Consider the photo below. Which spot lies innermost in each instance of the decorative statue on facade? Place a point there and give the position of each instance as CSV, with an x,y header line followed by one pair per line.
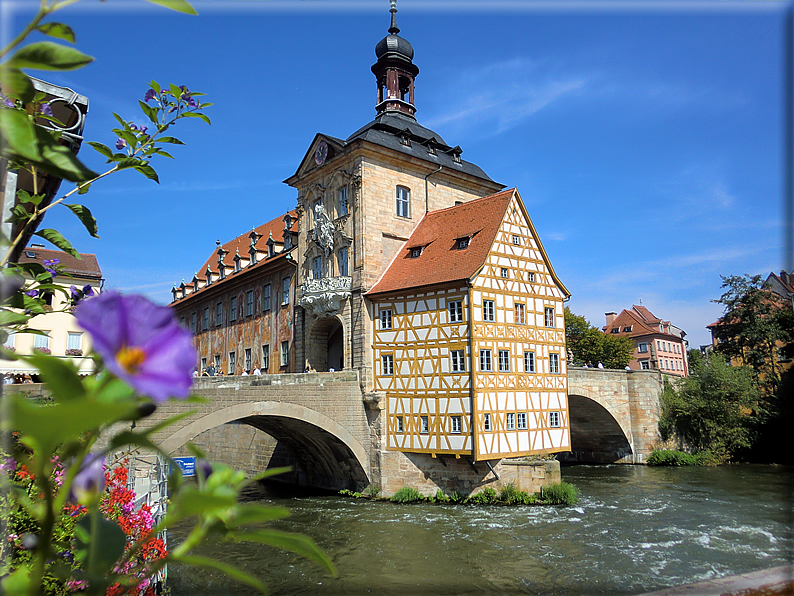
x,y
323,230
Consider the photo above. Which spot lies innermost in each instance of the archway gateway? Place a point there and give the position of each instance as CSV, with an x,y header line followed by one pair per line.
x,y
325,349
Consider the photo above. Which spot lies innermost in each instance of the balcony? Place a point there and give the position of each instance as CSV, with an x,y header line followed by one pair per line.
x,y
325,296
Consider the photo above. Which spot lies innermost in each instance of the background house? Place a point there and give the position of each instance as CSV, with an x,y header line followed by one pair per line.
x,y
658,344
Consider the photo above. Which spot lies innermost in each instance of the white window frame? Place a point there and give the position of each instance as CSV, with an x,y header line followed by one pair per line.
x,y
455,425
504,360
529,362
457,360
488,311
486,362
387,365
510,421
284,354
341,201
74,340
232,363
486,422
642,347
520,313
516,239
342,260
548,316
248,360
554,420
265,357
455,309
266,296
504,273
399,424
285,283
554,363
645,365
403,202
521,420
217,359
385,318
531,276
317,268
249,303
424,425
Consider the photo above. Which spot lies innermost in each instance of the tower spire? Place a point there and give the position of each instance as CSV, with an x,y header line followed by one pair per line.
x,y
394,29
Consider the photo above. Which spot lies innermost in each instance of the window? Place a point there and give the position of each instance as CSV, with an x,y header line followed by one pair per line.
x,y
516,240
485,361
403,202
341,201
529,362
642,347
458,358
74,340
554,419
645,365
425,425
248,360
455,311
284,353
317,268
217,358
385,319
616,330
486,422
203,363
554,364
219,314
549,316
521,317
266,357
266,291
504,360
387,365
531,276
487,310
416,252
232,363
627,329
661,345
505,273
285,291
521,418
342,261
193,323
463,243
249,303
510,421
9,342
455,423
233,309
205,320
399,424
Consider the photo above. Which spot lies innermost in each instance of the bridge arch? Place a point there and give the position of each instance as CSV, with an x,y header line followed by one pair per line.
x,y
599,433
328,453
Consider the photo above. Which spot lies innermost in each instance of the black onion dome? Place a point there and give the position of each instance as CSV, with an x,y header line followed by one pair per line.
x,y
394,44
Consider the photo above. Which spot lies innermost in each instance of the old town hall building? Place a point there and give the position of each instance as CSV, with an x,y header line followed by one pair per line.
x,y
410,265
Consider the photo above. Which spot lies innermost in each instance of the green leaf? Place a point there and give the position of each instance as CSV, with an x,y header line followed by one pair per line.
x,y
19,582
114,390
232,572
163,153
177,5
84,215
105,545
60,375
8,318
253,513
120,120
16,82
84,188
47,55
58,30
123,162
172,140
56,159
190,503
296,543
25,197
175,91
155,85
197,115
19,135
151,112
148,171
58,240
130,137
34,305
103,149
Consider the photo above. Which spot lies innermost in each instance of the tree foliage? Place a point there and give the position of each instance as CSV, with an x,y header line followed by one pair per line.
x,y
754,321
715,409
588,344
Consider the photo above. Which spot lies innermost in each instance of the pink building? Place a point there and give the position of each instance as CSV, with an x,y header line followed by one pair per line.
x,y
657,343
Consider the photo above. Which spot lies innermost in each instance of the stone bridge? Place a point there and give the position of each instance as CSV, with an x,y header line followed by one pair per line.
x,y
322,424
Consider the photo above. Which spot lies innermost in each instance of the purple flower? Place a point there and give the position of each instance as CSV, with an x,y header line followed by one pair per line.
x,y
88,291
203,468
144,129
7,101
192,102
89,480
150,94
46,110
32,293
76,295
141,343
121,143
49,265
133,127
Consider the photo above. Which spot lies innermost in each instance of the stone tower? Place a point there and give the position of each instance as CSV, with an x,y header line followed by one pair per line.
x,y
359,199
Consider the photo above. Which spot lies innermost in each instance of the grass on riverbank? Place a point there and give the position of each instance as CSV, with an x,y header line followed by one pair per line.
x,y
674,457
561,493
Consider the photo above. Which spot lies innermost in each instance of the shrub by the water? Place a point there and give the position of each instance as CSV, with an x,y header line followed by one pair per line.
x,y
407,494
560,493
674,457
485,497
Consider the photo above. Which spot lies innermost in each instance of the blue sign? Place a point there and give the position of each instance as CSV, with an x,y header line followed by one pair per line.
x,y
187,465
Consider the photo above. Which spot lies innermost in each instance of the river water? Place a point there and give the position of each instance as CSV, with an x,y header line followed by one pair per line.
x,y
635,529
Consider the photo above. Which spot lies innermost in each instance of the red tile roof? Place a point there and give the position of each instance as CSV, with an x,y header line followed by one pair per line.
x,y
437,234
642,322
85,266
243,242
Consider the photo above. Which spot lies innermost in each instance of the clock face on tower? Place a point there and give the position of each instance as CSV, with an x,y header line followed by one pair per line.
x,y
321,153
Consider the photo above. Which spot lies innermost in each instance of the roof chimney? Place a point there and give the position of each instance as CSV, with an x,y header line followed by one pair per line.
x,y
611,316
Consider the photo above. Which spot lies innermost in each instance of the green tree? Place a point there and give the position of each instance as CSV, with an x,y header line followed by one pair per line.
x,y
754,322
715,409
588,344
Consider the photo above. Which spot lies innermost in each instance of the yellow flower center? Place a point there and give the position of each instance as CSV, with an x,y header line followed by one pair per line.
x,y
130,358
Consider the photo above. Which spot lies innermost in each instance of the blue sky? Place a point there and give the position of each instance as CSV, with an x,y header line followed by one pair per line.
x,y
645,138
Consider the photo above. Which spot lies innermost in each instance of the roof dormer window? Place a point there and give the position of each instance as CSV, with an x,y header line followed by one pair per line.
x,y
463,243
405,140
415,252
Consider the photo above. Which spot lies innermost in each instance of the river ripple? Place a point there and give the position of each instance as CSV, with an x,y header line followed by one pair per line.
x,y
635,529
